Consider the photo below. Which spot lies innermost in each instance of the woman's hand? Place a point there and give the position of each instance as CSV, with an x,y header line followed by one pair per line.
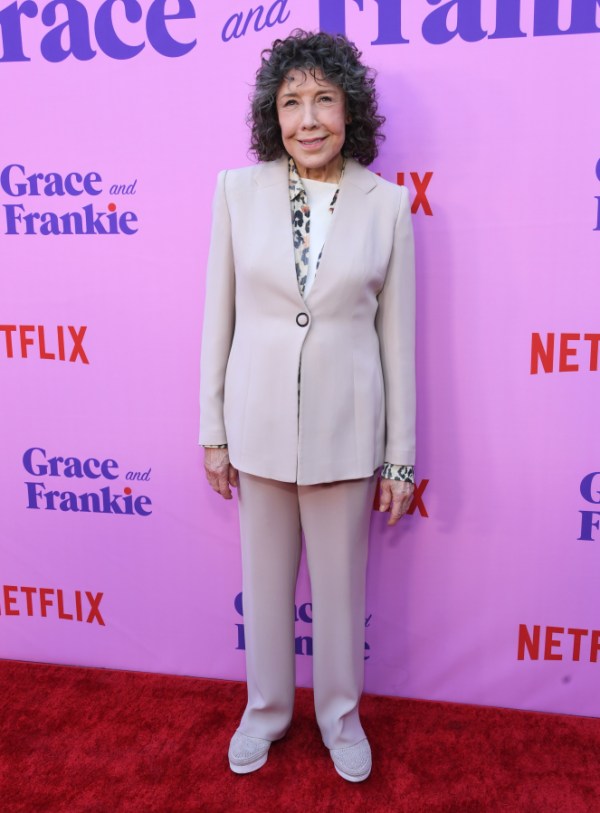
x,y
219,471
396,493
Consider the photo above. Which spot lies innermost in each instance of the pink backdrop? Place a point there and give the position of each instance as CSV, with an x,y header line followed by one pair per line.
x,y
487,593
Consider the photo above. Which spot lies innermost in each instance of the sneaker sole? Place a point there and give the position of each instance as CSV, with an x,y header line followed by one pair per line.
x,y
360,778
250,766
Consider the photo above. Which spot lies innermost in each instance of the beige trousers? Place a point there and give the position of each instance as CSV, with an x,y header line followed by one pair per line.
x,y
335,519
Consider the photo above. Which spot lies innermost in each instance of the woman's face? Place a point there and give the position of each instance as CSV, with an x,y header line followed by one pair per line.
x,y
312,117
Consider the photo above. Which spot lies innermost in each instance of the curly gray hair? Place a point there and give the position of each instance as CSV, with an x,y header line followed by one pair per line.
x,y
338,60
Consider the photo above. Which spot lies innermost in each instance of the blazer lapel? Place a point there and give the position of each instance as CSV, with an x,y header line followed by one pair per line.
x,y
356,183
272,178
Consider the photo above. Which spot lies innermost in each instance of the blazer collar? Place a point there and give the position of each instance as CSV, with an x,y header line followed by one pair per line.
x,y
359,176
276,172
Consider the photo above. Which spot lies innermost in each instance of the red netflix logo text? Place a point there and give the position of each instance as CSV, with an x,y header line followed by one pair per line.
x,y
36,341
420,200
420,185
564,352
48,602
558,643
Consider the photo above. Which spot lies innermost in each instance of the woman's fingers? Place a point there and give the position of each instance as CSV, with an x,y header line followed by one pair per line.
x,y
217,482
385,494
397,496
219,471
223,481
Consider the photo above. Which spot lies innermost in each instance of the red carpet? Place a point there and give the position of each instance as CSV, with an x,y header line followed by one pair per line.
x,y
99,741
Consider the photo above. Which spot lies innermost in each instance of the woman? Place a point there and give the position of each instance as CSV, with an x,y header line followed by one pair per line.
x,y
307,379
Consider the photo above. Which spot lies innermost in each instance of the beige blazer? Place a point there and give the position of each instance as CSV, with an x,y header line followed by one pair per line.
x,y
353,336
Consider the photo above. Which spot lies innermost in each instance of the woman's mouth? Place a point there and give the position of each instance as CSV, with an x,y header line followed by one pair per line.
x,y
312,143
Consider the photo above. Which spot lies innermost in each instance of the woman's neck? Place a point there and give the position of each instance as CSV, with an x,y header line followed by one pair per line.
x,y
330,173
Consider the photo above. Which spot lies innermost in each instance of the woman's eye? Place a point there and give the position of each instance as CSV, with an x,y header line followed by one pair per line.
x,y
325,99
290,102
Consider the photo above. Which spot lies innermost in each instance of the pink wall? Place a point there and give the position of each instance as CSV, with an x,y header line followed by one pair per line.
x,y
508,235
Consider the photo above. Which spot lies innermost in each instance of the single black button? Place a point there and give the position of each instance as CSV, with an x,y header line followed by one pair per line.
x,y
302,319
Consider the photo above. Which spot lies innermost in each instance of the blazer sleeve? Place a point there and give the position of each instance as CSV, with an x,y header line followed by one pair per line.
x,y
219,320
395,325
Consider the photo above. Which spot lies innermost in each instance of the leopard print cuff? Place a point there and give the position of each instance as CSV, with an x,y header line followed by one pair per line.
x,y
392,471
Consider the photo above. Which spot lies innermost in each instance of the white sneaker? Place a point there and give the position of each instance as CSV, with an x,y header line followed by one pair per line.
x,y
353,762
247,754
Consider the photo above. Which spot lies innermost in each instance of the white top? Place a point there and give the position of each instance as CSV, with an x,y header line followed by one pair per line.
x,y
319,194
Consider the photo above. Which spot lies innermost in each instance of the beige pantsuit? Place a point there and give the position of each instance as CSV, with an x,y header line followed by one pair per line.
x,y
307,450
335,518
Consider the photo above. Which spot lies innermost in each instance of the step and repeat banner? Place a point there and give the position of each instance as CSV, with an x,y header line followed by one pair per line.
x,y
115,552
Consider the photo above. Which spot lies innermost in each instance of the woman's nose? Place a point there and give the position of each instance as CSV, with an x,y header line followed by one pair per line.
x,y
309,118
